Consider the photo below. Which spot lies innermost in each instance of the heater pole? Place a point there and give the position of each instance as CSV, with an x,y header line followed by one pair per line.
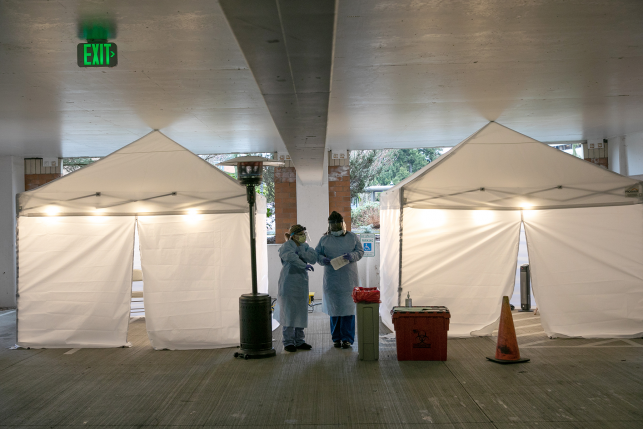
x,y
252,196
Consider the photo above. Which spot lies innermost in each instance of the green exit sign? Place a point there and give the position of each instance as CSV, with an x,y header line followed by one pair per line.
x,y
97,54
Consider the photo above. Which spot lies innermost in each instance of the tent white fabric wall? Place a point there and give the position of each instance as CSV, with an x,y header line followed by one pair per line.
x,y
390,213
195,268
588,271
75,281
498,173
463,259
193,221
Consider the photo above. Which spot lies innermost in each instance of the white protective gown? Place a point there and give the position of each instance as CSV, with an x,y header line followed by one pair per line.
x,y
292,296
338,285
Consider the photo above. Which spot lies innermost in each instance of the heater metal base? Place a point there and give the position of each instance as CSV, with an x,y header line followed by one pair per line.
x,y
255,326
253,354
503,361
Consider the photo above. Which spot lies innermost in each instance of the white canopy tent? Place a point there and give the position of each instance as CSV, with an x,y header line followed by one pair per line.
x,y
450,236
76,242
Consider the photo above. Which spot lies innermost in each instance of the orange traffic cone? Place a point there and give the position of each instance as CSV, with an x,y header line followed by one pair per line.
x,y
507,348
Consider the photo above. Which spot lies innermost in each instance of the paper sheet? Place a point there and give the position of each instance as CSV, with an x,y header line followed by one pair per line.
x,y
338,262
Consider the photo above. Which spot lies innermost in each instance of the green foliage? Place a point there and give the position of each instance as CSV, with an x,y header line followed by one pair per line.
x,y
383,167
574,146
73,164
366,214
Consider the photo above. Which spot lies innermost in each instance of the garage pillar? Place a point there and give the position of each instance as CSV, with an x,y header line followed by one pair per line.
x,y
339,185
285,200
12,182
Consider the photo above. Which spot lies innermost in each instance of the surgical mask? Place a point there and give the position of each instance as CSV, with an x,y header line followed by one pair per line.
x,y
300,238
337,233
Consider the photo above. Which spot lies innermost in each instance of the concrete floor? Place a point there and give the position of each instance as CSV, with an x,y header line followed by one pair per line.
x,y
567,384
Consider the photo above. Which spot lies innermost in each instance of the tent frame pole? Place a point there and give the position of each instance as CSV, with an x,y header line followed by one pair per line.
x,y
399,286
17,261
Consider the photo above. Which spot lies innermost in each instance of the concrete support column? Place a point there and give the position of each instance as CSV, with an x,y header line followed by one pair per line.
x,y
339,185
626,154
12,182
615,147
285,200
623,164
633,151
312,212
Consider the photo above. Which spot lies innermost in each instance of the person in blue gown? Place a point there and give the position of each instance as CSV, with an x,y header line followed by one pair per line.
x,y
292,297
338,284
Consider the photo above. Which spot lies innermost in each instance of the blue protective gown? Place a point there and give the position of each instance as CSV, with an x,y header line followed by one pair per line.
x,y
293,284
338,285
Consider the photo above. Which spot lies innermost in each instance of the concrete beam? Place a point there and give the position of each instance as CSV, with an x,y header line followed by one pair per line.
x,y
288,45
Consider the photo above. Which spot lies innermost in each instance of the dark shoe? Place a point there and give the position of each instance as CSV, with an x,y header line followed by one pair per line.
x,y
290,348
337,344
345,344
304,347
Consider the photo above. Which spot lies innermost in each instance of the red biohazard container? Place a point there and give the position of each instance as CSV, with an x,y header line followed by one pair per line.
x,y
366,294
421,332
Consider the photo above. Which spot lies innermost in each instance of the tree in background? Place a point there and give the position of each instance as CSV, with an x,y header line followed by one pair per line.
x,y
383,167
72,164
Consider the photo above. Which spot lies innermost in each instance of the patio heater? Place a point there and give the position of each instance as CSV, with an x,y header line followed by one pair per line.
x,y
254,308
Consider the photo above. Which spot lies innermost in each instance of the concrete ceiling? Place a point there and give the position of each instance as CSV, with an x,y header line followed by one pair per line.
x,y
431,72
401,74
180,70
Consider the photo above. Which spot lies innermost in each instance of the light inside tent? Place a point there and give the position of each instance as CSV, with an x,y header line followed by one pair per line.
x,y
192,216
52,210
526,206
483,217
434,218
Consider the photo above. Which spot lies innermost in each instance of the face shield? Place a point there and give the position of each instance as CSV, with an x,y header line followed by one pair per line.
x,y
337,228
301,235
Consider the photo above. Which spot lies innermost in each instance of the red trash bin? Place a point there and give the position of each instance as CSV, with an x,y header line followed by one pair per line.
x,y
421,332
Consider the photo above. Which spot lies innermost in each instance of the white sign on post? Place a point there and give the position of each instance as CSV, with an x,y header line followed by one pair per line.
x,y
368,243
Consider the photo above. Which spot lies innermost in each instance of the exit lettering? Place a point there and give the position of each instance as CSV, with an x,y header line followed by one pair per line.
x,y
93,54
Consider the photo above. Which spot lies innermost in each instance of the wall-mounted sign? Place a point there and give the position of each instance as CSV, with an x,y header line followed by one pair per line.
x,y
368,242
97,54
339,154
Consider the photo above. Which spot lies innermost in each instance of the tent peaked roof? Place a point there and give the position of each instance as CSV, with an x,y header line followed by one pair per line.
x,y
153,175
499,168
494,133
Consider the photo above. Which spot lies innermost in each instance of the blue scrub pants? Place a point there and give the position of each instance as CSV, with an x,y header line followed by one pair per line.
x,y
343,328
293,336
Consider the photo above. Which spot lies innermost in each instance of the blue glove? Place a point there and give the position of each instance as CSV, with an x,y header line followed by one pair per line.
x,y
348,257
309,267
326,261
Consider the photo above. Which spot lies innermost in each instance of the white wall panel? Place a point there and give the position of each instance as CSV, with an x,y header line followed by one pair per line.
x,y
462,259
75,281
390,256
195,268
587,270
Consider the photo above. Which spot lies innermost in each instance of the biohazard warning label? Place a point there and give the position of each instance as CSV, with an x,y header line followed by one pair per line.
x,y
421,341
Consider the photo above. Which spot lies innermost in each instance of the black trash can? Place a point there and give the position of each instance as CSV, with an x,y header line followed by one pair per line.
x,y
525,288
